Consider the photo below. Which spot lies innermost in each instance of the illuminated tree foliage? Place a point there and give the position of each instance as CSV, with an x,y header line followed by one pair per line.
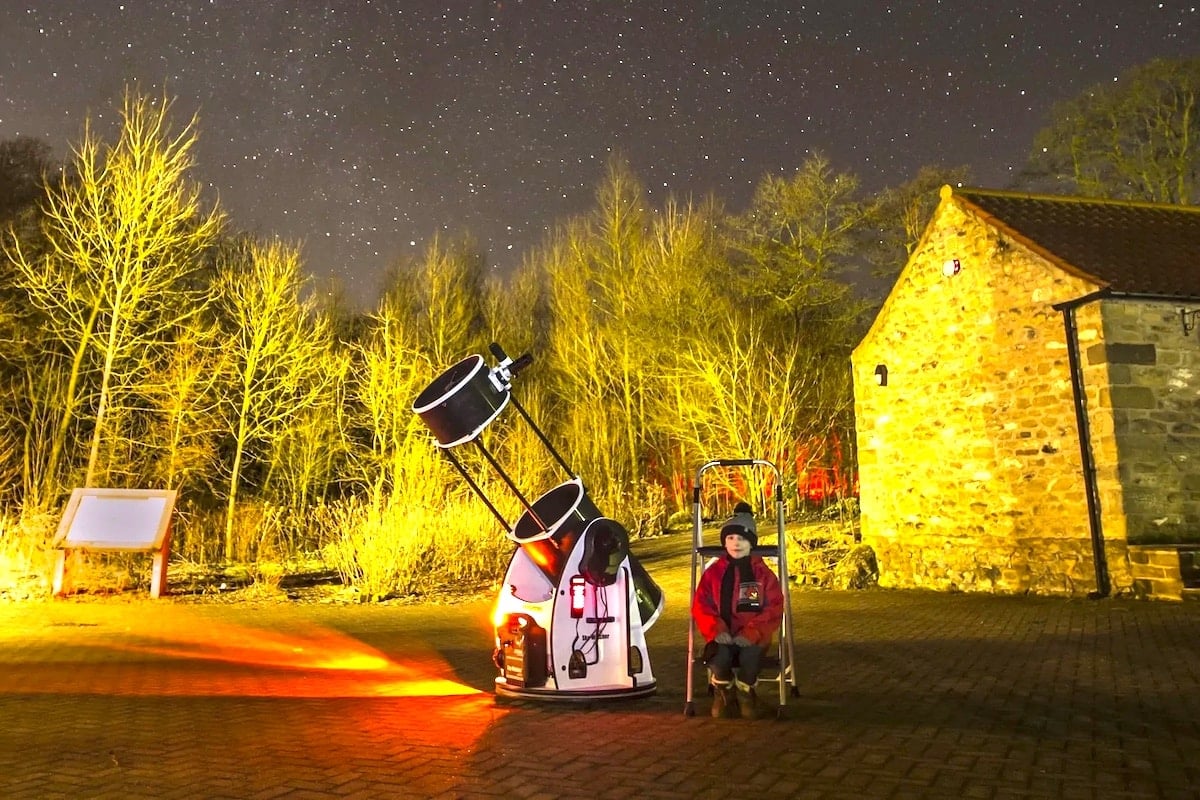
x,y
786,359
690,290
515,310
278,352
143,347
125,234
672,342
795,238
183,430
598,275
307,457
442,295
389,369
1135,139
747,395
24,414
661,337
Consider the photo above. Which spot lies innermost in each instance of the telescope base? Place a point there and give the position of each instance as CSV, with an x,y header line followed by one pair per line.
x,y
542,693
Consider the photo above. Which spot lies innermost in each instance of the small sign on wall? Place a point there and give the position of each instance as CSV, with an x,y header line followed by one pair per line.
x,y
122,520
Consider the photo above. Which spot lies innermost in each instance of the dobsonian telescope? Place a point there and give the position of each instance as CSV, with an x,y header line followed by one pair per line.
x,y
575,604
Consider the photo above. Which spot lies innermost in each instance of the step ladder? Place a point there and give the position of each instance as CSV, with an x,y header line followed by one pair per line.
x,y
780,669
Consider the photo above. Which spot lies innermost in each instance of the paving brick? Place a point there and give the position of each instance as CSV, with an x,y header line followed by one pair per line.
x,y
902,694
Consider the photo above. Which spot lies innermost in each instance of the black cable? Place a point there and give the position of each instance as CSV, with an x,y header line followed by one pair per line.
x,y
601,616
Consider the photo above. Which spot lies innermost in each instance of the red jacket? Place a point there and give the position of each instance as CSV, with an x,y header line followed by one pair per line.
x,y
757,626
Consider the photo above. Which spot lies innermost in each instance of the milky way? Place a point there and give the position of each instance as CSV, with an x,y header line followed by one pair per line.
x,y
361,129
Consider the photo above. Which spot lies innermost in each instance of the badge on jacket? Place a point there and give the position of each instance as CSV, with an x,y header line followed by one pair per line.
x,y
749,596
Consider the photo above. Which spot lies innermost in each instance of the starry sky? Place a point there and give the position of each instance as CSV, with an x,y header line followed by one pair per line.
x,y
359,129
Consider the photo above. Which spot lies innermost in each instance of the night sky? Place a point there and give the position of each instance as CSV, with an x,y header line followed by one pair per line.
x,y
360,129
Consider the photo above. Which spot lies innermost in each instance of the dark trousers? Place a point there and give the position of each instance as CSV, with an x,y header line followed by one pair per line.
x,y
720,662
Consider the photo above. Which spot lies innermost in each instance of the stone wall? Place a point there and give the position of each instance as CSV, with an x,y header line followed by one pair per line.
x,y
969,459
1165,572
1155,399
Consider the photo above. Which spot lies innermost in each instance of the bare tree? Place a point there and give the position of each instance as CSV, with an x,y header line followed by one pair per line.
x,y
124,236
797,236
183,396
304,459
749,396
685,302
1135,139
278,352
896,218
576,355
391,453
772,373
442,294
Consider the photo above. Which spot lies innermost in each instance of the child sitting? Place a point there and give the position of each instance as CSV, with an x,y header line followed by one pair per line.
x,y
738,607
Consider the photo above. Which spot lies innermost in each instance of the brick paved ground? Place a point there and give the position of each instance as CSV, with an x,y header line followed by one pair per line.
x,y
904,695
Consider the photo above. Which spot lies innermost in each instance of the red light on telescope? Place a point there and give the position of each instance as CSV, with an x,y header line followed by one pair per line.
x,y
577,596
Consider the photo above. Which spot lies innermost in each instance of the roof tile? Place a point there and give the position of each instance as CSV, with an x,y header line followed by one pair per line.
x,y
1131,248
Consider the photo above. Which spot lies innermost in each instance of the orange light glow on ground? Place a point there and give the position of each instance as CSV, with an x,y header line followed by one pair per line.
x,y
271,669
191,653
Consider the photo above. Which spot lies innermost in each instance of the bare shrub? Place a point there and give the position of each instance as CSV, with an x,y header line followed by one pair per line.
x,y
641,507
816,550
26,555
389,550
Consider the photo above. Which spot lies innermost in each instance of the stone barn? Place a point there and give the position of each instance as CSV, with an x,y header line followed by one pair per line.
x,y
1027,400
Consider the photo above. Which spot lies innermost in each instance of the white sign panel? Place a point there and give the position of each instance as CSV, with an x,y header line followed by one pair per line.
x,y
116,519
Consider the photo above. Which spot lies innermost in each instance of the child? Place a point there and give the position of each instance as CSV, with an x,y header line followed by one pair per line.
x,y
738,607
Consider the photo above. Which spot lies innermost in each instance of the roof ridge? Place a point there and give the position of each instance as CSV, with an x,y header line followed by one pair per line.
x,y
966,191
1132,248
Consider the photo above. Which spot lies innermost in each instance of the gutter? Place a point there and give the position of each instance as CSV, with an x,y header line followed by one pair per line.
x,y
1087,461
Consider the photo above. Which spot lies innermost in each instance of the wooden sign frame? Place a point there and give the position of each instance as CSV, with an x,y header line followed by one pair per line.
x,y
116,520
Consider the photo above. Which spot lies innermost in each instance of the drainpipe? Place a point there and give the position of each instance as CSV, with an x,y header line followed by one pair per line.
x,y
1088,463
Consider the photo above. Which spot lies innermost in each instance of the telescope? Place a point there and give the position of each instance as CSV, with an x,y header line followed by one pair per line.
x,y
575,604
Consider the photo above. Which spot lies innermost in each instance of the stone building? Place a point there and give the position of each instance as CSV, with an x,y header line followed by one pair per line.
x,y
1027,400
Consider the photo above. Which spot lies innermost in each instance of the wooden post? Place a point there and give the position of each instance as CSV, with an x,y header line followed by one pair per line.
x,y
158,574
61,585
